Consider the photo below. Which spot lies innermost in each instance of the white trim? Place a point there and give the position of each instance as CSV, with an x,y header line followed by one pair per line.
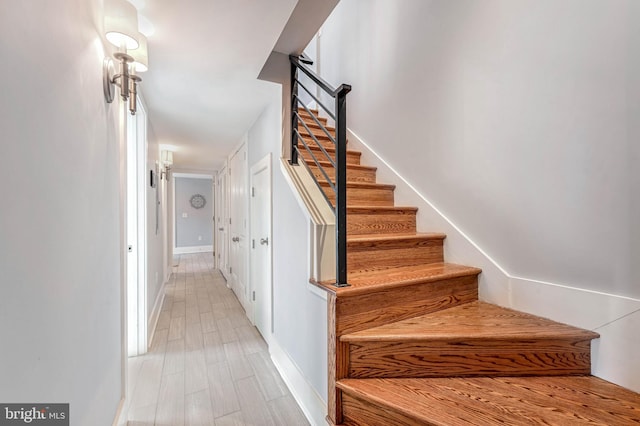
x,y
192,249
312,404
121,414
192,175
613,316
155,313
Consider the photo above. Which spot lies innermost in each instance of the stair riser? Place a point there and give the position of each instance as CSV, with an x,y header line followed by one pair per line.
x,y
362,413
410,252
307,118
353,175
365,196
469,358
316,131
326,143
381,223
352,157
359,312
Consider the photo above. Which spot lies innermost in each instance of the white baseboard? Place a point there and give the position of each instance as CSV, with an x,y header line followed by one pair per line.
x,y
312,405
121,414
616,318
193,249
155,314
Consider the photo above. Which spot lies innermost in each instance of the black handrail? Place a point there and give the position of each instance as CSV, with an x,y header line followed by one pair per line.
x,y
339,115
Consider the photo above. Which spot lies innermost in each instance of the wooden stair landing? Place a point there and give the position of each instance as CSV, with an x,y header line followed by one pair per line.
x,y
563,400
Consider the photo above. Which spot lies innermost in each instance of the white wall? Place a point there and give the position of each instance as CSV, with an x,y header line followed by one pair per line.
x,y
299,339
60,233
514,118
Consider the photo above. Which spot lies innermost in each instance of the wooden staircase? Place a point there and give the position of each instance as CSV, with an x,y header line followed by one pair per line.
x,y
410,344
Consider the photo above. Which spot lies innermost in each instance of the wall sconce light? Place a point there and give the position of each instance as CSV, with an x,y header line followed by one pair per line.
x,y
121,29
167,162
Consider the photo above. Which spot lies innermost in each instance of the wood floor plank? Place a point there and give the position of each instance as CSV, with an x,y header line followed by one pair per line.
x,y
233,419
254,408
170,410
224,399
195,372
213,348
198,411
174,357
177,328
285,411
208,322
271,384
237,361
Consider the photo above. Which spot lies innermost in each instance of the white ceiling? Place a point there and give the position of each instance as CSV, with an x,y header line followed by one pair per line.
x,y
201,89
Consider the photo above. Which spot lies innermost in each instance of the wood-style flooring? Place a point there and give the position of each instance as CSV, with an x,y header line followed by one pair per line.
x,y
207,364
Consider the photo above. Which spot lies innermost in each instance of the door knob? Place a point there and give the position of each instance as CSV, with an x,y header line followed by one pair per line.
x,y
220,229
235,239
264,241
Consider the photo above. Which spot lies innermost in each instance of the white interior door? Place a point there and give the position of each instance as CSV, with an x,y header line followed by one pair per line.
x,y
238,223
261,252
222,223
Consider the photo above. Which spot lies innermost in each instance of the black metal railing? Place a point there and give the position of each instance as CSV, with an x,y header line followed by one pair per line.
x,y
319,154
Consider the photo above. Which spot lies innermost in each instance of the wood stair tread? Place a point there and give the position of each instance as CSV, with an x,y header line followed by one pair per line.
x,y
558,400
314,147
379,209
378,280
471,321
370,238
349,165
363,185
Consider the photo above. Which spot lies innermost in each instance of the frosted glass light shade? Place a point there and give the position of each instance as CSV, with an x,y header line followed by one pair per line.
x,y
121,23
140,55
167,157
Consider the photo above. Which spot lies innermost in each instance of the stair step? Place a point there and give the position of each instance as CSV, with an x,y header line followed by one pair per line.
x,y
312,125
475,339
307,118
353,157
382,251
384,296
316,130
488,401
366,282
380,220
355,172
363,193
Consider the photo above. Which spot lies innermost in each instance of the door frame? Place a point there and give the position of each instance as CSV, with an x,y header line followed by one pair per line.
x,y
207,176
136,132
260,166
222,217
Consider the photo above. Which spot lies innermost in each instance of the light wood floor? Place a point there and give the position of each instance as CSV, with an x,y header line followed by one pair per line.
x,y
207,365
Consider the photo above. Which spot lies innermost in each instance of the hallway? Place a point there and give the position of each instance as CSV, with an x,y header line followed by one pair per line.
x,y
207,365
